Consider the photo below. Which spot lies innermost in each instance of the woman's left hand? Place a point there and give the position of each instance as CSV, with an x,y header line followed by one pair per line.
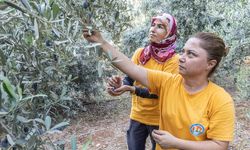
x,y
164,138
125,88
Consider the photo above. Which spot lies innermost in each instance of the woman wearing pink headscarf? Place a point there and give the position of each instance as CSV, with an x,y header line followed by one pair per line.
x,y
159,54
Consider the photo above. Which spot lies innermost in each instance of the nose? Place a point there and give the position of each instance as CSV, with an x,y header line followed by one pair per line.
x,y
182,58
152,29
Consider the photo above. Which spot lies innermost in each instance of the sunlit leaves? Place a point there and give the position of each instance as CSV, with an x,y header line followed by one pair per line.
x,y
10,140
99,68
47,122
8,88
14,6
59,125
26,4
56,10
36,28
73,142
86,144
54,69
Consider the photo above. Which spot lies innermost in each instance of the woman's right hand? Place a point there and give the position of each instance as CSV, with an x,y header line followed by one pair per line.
x,y
116,88
93,36
124,88
115,81
112,92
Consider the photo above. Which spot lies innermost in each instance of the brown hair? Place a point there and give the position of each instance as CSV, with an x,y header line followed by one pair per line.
x,y
214,46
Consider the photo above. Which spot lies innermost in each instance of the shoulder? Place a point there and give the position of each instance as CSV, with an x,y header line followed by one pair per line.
x,y
175,57
138,51
162,80
172,65
173,60
221,93
219,96
136,55
164,76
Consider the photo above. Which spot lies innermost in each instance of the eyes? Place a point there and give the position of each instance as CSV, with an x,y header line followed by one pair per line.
x,y
160,26
188,53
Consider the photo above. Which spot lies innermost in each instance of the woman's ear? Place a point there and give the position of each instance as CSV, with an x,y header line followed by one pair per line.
x,y
211,64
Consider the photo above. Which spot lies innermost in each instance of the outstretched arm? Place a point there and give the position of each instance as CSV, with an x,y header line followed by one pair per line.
x,y
123,63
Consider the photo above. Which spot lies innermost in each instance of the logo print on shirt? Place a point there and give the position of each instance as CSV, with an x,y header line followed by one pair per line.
x,y
197,129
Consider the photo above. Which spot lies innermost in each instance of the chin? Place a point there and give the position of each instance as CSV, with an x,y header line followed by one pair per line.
x,y
151,41
181,72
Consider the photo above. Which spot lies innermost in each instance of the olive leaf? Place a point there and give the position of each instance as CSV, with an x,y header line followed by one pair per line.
x,y
99,68
14,6
26,4
8,88
86,144
36,28
60,125
48,122
73,142
10,140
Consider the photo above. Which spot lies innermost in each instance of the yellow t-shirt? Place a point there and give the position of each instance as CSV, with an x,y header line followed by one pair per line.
x,y
207,114
147,110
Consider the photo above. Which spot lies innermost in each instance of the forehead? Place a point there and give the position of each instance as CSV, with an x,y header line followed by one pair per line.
x,y
157,21
193,44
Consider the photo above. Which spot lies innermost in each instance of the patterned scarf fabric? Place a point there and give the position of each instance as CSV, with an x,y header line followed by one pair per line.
x,y
164,50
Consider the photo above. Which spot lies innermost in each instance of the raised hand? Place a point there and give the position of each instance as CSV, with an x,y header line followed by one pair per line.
x,y
93,36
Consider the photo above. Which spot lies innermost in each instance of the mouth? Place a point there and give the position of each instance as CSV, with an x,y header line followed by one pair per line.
x,y
151,35
181,67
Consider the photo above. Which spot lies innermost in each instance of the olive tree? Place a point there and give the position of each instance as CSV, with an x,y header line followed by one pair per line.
x,y
48,71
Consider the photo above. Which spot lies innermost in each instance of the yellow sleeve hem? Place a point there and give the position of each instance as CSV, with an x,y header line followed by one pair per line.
x,y
221,138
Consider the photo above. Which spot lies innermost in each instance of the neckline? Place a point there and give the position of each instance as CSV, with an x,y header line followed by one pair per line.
x,y
196,93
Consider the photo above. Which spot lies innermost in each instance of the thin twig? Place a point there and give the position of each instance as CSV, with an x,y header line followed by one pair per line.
x,y
9,132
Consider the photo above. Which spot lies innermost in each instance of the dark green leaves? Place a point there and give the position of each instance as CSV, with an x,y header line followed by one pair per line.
x,y
36,28
8,88
14,6
52,69
85,4
73,142
26,4
56,10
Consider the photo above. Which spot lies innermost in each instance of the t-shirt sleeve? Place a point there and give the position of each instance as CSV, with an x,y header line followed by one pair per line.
x,y
156,79
222,118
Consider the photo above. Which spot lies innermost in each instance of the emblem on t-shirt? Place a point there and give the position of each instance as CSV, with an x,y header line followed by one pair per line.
x,y
197,129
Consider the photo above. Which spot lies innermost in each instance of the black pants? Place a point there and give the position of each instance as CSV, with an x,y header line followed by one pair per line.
x,y
137,135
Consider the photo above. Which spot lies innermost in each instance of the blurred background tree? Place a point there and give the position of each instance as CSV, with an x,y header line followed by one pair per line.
x,y
229,19
42,52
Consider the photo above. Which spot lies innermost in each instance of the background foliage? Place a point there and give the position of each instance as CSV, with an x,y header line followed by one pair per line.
x,y
231,23
48,72
42,52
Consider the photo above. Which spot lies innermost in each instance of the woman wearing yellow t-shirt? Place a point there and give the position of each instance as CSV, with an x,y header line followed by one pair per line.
x,y
158,55
195,113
